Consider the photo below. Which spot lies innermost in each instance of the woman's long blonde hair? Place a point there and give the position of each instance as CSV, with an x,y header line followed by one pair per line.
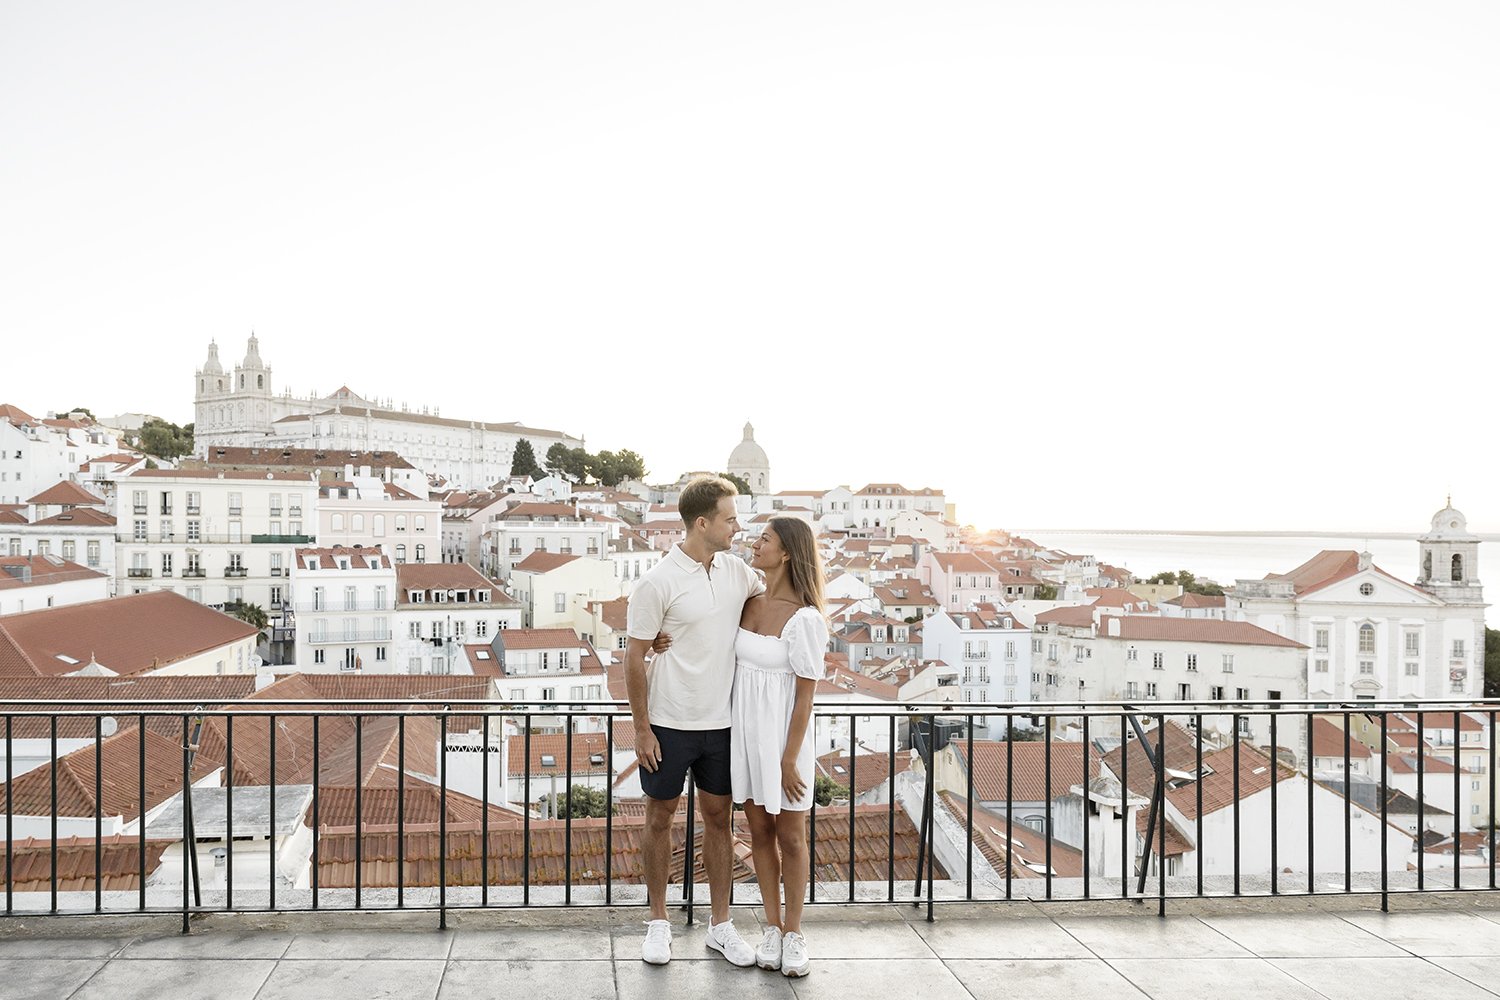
x,y
804,562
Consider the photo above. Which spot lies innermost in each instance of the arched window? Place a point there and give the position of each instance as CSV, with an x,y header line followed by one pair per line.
x,y
1427,565
260,381
221,385
200,385
421,553
242,381
1458,569
1367,638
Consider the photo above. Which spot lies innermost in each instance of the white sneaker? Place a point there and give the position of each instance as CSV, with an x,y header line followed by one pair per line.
x,y
794,960
657,949
768,955
724,939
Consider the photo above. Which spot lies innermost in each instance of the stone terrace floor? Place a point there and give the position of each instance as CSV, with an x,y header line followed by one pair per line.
x,y
1434,946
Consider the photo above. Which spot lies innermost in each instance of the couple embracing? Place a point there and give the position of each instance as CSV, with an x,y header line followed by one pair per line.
x,y
729,698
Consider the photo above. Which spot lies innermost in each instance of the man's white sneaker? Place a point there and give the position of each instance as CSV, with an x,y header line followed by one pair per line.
x,y
794,960
657,948
768,955
724,939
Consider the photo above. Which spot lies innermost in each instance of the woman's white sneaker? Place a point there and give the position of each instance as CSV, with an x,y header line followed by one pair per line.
x,y
657,949
794,960
768,955
724,939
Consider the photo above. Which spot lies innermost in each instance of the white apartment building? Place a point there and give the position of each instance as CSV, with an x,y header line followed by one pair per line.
x,y
515,533
386,466
344,604
218,538
370,512
551,587
960,580
549,664
992,649
441,608
1374,636
1145,658
31,582
36,453
633,557
65,521
242,408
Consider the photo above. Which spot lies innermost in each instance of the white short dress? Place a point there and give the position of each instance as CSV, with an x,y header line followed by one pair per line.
x,y
766,669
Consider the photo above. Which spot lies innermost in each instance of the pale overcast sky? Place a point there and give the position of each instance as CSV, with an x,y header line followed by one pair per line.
x,y
1094,264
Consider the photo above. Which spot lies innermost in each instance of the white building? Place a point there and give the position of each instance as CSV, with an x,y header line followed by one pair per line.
x,y
960,580
366,511
242,408
513,534
32,582
1372,635
991,648
441,608
344,603
748,460
36,453
552,587
65,521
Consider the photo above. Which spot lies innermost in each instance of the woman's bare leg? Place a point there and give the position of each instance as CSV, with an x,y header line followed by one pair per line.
x,y
767,860
791,838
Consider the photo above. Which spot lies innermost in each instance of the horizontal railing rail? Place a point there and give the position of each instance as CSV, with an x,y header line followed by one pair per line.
x,y
1138,801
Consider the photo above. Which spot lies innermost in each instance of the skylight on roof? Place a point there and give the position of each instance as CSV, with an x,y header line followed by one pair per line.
x,y
65,658
482,654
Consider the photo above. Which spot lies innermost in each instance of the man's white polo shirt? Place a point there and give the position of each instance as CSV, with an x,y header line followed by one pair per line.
x,y
688,686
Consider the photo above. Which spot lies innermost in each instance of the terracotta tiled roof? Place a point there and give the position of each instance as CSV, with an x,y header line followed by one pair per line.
x,y
427,418
15,415
1073,617
543,562
44,570
31,793
555,747
119,863
327,558
304,458
1407,764
381,806
1218,772
1197,601
1145,628
539,638
196,474
128,635
57,692
612,613
537,511
441,576
78,517
16,517
1026,851
1328,741
870,770
67,493
962,562
1029,782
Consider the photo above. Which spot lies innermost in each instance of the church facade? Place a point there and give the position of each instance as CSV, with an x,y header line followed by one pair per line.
x,y
240,407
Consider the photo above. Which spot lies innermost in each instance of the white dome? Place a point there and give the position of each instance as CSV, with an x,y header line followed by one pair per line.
x,y
212,367
747,454
1449,523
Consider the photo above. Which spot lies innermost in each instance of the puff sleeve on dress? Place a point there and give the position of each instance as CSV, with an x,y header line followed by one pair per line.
x,y
807,639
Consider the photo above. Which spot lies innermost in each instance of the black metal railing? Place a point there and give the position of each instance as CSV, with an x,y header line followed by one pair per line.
x,y
1093,801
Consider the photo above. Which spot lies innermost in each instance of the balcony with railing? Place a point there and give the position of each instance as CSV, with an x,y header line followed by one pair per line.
x,y
342,638
282,539
236,571
138,572
933,833
333,607
194,572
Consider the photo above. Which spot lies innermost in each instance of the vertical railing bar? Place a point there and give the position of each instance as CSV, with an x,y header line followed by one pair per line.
x,y
1457,775
484,815
271,862
317,763
141,819
1422,801
1348,811
1126,868
189,846
890,815
609,808
1161,793
526,810
1010,802
10,846
1198,798
1311,807
229,812
443,822
52,847
1235,722
1087,856
568,810
689,851
192,824
359,809
1275,825
1492,800
853,794
401,811
1385,898
931,811
812,838
1047,805
98,813
968,817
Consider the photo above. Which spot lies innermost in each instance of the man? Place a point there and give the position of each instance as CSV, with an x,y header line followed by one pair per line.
x,y
680,704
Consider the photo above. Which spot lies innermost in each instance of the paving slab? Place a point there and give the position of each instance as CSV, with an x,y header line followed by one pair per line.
x,y
155,978
1433,933
1041,979
1149,936
1389,978
318,979
1301,935
532,944
506,980
371,945
695,980
63,947
860,979
1482,972
865,939
214,944
687,942
45,978
1194,978
1037,938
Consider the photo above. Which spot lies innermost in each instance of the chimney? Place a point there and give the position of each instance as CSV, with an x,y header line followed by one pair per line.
x,y
1114,626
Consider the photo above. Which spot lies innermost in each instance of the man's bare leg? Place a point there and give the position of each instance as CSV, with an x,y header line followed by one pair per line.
x,y
767,860
656,852
718,854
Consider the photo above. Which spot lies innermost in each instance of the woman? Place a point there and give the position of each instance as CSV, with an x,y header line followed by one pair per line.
x,y
778,663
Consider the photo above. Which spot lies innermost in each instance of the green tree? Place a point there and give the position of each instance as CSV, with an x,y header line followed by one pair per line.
x,y
78,409
628,465
166,440
825,790
1492,663
524,463
1046,592
253,614
1189,583
579,802
739,483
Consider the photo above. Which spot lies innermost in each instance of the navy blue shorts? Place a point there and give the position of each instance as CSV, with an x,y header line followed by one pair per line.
x,y
705,751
